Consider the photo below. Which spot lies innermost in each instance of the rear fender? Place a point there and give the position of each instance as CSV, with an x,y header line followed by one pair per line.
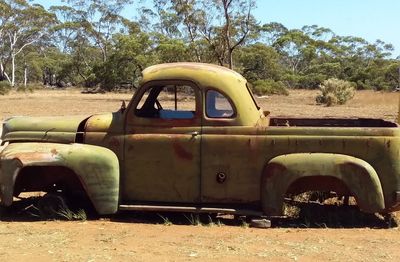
x,y
96,167
358,176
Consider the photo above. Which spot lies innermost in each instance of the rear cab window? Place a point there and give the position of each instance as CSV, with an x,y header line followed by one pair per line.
x,y
218,105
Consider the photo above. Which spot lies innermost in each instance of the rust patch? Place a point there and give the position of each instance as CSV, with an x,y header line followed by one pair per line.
x,y
181,151
54,151
34,156
114,142
273,169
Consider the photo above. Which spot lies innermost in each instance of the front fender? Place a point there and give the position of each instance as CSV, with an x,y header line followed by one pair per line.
x,y
96,167
358,176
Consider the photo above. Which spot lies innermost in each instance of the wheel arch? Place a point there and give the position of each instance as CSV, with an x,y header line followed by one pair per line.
x,y
320,171
96,168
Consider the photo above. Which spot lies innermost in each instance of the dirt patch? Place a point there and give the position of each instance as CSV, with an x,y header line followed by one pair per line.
x,y
104,240
153,237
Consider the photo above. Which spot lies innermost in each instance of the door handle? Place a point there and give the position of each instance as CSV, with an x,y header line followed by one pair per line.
x,y
194,133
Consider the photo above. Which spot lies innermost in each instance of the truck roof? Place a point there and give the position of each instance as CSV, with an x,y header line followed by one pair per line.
x,y
203,74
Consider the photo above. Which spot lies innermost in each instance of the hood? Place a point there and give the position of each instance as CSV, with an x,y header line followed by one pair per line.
x,y
50,129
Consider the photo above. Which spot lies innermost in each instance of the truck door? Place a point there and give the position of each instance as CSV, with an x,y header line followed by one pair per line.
x,y
229,168
162,144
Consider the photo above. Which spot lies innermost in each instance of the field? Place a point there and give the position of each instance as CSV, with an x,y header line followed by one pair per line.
x,y
166,237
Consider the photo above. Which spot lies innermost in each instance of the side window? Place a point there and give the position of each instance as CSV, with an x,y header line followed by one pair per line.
x,y
218,106
168,102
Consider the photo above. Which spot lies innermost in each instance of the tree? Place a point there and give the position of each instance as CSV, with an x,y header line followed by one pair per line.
x,y
271,32
24,24
130,55
6,12
259,61
98,20
236,26
86,31
223,25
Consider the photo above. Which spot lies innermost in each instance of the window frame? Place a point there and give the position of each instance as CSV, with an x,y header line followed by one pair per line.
x,y
133,118
230,118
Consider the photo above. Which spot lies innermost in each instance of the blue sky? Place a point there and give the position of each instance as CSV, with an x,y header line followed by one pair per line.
x,y
370,19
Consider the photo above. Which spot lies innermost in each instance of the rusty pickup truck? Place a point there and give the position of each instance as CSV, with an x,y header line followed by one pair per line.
x,y
193,139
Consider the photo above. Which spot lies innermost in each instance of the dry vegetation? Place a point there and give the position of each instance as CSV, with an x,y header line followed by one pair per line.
x,y
300,103
150,237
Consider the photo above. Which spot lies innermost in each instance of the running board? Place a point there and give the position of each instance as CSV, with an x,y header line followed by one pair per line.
x,y
190,209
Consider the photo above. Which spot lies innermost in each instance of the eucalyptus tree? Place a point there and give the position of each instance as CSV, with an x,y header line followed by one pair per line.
x,y
23,25
86,30
271,32
217,27
226,26
5,16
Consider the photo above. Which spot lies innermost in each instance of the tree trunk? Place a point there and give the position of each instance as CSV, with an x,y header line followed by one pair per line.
x,y
230,59
25,75
13,70
227,26
3,73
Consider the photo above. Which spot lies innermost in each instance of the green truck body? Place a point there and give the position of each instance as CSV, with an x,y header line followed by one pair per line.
x,y
229,157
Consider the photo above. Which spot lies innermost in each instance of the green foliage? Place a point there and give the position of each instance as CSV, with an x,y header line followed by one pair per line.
x,y
171,50
4,87
126,61
269,87
335,91
89,43
259,61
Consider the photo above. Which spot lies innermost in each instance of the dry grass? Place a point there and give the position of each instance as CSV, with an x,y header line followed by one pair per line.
x,y
59,102
300,103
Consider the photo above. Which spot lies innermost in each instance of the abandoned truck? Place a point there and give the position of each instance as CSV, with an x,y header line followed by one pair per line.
x,y
194,139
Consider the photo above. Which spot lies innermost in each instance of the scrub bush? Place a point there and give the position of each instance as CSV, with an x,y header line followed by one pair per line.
x,y
335,91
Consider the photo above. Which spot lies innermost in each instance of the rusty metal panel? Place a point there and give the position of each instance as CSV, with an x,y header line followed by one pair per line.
x,y
96,167
162,166
55,124
47,129
242,153
359,177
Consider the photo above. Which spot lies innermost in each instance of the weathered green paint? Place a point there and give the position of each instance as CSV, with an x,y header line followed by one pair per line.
x,y
96,167
176,161
46,129
359,177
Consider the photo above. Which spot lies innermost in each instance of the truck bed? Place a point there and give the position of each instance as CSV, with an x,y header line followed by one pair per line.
x,y
331,122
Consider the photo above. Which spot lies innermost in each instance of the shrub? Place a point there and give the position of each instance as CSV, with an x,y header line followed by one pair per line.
x,y
269,87
335,91
4,87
